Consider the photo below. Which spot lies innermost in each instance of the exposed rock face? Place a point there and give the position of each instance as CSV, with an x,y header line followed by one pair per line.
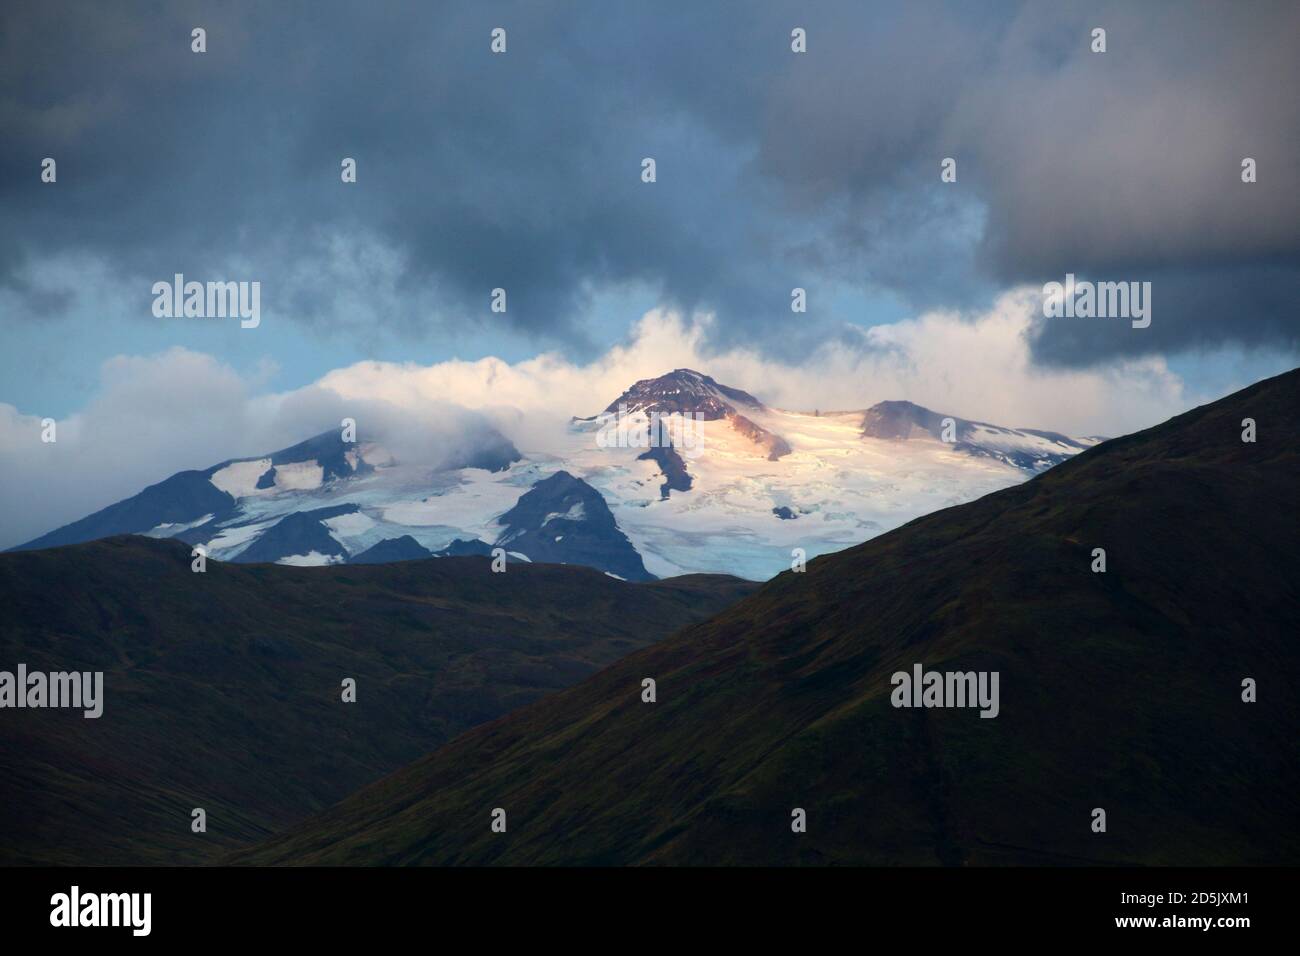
x,y
389,550
563,520
676,478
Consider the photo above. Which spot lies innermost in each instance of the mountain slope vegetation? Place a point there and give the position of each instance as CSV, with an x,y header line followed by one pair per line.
x,y
223,690
1119,690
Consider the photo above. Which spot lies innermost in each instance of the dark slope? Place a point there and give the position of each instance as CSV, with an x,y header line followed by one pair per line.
x,y
328,448
903,420
463,547
299,533
563,520
404,548
671,466
184,497
188,496
222,690
1118,690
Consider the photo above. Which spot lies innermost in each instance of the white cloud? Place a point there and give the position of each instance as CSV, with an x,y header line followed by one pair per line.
x,y
976,367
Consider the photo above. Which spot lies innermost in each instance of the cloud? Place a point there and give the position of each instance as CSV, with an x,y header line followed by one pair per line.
x,y
977,366
153,416
521,171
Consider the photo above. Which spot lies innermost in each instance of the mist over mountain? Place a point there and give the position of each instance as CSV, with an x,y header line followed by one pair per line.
x,y
178,410
679,474
1027,448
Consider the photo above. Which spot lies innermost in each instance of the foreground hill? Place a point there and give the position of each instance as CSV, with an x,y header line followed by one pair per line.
x,y
223,689
1119,690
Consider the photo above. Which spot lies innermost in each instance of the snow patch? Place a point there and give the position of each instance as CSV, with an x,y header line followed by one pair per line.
x,y
234,537
239,478
299,476
313,559
171,529
349,525
575,513
376,456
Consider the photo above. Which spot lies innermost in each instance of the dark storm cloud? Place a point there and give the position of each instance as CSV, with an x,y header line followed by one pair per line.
x,y
775,170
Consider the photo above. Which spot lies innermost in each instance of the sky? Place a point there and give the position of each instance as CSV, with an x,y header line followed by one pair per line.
x,y
522,170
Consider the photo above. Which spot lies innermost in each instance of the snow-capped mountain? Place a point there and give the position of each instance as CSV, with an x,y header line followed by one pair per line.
x,y
562,519
1025,448
679,474
685,392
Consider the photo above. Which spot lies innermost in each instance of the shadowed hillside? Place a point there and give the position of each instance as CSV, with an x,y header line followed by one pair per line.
x,y
1118,690
223,689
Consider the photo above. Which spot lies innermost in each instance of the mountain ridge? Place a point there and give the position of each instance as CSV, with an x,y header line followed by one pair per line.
x,y
1120,690
715,495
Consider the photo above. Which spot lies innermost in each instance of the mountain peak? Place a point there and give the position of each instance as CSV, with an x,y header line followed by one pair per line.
x,y
1025,448
687,392
899,419
564,520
